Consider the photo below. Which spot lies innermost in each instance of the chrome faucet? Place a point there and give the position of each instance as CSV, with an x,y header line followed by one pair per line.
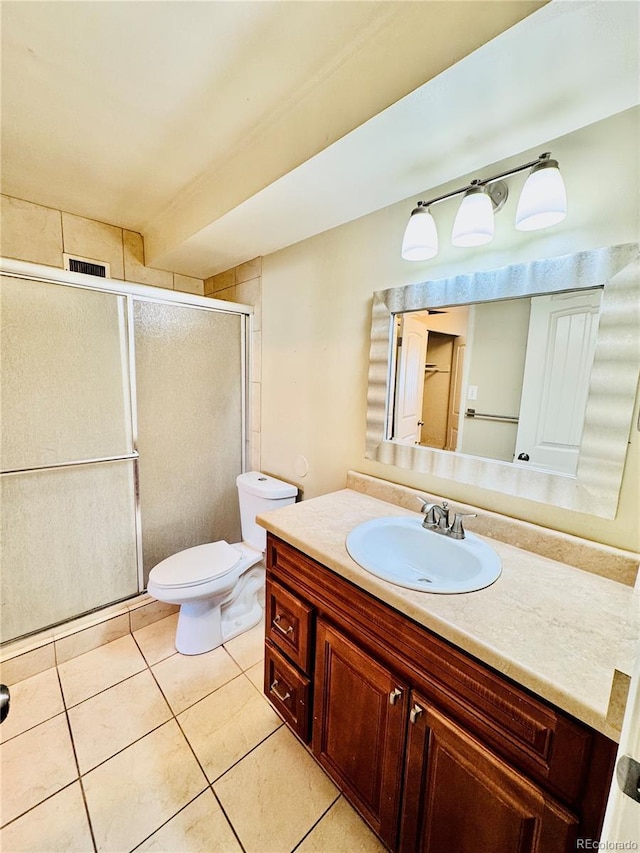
x,y
437,517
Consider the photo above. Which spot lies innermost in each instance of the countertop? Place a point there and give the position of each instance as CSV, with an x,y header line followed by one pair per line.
x,y
557,630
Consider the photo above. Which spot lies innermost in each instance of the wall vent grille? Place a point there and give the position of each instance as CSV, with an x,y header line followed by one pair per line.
x,y
86,266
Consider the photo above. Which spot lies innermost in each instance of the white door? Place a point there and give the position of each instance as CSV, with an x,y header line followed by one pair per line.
x,y
622,818
410,385
555,387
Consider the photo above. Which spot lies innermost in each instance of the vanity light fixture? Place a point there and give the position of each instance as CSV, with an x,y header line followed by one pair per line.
x,y
543,202
473,225
420,237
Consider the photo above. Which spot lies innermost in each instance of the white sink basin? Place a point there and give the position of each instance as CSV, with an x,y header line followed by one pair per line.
x,y
401,551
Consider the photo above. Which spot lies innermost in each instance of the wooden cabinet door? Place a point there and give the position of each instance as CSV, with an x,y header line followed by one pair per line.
x,y
460,797
359,728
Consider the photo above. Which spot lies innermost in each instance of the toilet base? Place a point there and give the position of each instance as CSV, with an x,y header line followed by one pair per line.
x,y
204,625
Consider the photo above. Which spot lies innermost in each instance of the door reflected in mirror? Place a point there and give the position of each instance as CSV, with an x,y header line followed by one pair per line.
x,y
505,380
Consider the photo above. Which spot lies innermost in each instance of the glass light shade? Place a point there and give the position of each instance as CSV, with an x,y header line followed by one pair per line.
x,y
473,224
420,240
543,200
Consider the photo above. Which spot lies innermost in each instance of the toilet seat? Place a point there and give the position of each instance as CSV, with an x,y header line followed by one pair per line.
x,y
195,566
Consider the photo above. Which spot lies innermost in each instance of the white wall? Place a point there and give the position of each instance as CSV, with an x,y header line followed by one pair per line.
x,y
317,313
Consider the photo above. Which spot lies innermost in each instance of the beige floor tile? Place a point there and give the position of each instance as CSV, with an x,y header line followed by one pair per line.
x,y
35,765
59,824
150,611
225,725
103,667
132,794
248,648
255,674
84,640
276,792
23,666
33,701
115,718
157,641
341,830
199,828
184,679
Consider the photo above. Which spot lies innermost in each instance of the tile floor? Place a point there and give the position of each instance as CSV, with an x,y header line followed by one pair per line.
x,y
132,746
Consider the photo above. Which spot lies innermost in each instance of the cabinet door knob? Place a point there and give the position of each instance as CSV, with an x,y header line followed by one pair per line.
x,y
415,713
277,694
276,624
395,694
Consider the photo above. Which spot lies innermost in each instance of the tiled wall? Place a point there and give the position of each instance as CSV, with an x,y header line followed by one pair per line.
x,y
23,658
244,284
31,232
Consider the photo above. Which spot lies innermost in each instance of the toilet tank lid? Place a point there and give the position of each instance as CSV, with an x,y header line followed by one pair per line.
x,y
264,486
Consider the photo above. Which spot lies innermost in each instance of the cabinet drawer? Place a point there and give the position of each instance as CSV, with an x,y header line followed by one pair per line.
x,y
288,691
289,624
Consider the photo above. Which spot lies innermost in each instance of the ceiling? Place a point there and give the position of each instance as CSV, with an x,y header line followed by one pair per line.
x,y
227,130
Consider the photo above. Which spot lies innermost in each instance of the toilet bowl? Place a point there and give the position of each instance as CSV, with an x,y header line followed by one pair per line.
x,y
220,586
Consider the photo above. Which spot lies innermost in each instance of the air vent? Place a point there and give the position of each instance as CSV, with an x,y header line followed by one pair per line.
x,y
86,266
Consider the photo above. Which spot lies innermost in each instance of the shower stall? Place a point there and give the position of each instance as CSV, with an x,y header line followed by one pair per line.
x,y
124,412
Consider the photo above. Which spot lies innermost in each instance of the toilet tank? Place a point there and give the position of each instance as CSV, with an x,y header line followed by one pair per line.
x,y
258,493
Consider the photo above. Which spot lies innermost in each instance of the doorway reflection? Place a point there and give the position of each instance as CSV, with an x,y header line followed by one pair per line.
x,y
505,380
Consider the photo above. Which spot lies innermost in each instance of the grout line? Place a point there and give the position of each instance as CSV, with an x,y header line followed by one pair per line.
x,y
322,816
31,808
253,749
227,818
98,625
35,726
98,692
75,756
209,784
133,742
181,809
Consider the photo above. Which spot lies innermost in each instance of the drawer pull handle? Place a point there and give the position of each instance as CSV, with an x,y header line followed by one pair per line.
x,y
276,624
277,694
395,694
415,713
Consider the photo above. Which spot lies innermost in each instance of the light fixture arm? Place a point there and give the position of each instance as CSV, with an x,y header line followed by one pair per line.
x,y
543,158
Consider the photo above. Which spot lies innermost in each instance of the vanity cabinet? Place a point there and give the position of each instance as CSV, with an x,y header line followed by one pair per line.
x,y
435,750
460,796
359,727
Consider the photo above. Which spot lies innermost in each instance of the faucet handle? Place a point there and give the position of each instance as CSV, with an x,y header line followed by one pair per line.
x,y
457,530
429,511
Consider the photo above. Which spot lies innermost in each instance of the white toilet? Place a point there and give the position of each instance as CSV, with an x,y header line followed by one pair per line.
x,y
219,586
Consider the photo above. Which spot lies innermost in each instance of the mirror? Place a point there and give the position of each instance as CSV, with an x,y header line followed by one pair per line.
x,y
460,439
505,380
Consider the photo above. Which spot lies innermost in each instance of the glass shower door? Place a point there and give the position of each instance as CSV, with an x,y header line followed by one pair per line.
x,y
105,473
68,487
190,392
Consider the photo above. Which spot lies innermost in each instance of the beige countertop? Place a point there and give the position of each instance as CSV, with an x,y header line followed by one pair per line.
x,y
553,628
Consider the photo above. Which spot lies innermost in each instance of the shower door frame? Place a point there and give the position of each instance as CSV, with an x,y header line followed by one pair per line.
x,y
143,293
